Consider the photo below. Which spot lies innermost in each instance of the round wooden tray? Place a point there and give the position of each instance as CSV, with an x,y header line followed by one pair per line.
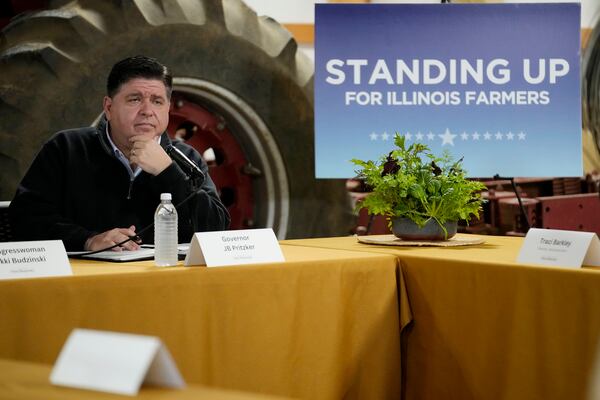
x,y
391,240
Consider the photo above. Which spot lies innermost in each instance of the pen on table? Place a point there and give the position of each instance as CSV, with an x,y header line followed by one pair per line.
x,y
136,239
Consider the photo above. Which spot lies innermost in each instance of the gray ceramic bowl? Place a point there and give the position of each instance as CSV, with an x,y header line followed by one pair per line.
x,y
405,229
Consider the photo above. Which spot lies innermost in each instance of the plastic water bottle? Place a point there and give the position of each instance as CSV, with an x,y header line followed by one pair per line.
x,y
165,232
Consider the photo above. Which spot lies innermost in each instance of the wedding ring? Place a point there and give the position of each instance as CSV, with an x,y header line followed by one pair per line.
x,y
133,152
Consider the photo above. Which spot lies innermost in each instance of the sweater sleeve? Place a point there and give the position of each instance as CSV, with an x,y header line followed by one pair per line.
x,y
35,210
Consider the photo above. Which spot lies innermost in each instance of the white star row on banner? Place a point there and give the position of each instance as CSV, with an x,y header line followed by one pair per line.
x,y
448,137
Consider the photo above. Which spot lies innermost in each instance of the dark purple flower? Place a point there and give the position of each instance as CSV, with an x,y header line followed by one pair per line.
x,y
391,166
435,169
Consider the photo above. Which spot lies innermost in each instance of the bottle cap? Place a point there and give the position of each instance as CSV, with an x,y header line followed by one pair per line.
x,y
165,196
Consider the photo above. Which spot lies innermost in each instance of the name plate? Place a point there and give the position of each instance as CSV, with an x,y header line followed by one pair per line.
x,y
33,259
247,246
559,248
114,362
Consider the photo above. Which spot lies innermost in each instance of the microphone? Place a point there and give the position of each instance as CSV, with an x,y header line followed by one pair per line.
x,y
188,166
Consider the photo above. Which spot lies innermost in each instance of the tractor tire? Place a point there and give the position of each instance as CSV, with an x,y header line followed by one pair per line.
x,y
55,62
590,90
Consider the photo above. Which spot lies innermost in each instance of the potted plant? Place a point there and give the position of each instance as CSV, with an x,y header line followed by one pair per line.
x,y
422,196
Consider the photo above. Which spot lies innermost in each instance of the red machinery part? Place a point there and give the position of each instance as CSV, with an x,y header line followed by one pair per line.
x,y
578,212
228,166
511,221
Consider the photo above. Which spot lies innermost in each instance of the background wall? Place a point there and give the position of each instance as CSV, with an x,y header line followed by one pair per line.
x,y
298,15
301,11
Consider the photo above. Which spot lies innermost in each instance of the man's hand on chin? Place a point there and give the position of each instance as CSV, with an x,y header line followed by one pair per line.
x,y
147,154
112,237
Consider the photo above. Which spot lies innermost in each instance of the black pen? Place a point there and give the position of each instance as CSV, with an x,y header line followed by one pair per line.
x,y
136,239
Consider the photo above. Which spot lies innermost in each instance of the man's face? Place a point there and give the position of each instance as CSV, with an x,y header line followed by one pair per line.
x,y
140,107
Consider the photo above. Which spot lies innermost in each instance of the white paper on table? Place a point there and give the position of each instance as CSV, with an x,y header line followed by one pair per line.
x,y
228,248
35,259
114,362
560,248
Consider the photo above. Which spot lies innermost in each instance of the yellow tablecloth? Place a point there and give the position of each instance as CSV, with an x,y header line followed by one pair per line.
x,y
322,325
30,381
486,327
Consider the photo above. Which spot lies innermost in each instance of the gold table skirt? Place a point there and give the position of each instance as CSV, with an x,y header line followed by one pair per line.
x,y
323,325
487,327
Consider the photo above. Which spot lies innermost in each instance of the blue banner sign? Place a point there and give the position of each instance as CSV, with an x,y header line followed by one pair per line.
x,y
496,83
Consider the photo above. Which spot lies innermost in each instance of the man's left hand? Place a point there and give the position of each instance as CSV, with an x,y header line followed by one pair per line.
x,y
148,154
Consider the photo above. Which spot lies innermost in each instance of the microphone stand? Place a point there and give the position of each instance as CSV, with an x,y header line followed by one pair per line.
x,y
195,183
523,213
194,174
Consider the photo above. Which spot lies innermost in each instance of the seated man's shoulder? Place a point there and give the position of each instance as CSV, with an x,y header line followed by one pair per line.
x,y
74,135
83,132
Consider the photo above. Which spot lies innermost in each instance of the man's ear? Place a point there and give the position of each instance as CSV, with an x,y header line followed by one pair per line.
x,y
106,105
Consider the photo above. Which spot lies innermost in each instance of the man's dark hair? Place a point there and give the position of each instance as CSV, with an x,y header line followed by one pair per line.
x,y
137,67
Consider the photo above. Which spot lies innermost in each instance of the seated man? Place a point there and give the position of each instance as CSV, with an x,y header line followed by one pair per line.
x,y
94,187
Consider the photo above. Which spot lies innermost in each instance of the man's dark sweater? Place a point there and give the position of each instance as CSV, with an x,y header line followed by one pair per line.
x,y
76,188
